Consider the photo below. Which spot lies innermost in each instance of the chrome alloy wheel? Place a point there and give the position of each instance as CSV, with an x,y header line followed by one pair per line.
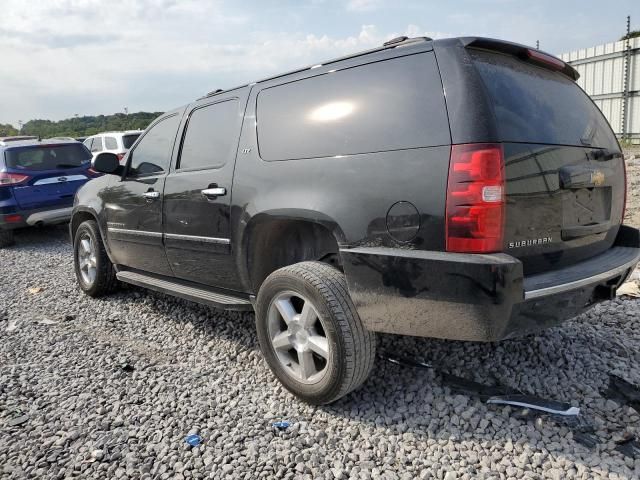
x,y
298,337
87,259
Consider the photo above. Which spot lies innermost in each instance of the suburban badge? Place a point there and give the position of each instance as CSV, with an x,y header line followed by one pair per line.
x,y
530,242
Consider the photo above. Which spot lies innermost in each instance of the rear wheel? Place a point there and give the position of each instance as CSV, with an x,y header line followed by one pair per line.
x,y
94,271
6,238
310,333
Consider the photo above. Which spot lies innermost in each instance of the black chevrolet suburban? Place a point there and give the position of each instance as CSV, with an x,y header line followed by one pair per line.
x,y
463,188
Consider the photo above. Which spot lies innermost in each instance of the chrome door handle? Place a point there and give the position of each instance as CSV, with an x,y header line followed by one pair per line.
x,y
151,195
214,192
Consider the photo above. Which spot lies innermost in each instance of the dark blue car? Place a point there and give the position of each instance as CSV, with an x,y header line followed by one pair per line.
x,y
38,180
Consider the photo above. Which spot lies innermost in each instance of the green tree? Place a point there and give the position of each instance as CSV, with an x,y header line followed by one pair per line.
x,y
632,34
7,130
89,125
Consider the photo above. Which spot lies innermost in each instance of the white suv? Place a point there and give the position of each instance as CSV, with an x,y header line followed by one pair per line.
x,y
112,142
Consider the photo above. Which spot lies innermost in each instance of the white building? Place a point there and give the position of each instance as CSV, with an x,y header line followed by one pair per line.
x,y
602,74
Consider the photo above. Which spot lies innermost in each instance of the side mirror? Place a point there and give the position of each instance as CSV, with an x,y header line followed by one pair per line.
x,y
107,163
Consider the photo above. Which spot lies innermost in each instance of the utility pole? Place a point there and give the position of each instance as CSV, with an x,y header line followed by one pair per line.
x,y
625,91
19,125
537,44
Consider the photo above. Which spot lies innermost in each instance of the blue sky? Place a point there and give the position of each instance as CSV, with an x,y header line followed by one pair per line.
x,y
86,57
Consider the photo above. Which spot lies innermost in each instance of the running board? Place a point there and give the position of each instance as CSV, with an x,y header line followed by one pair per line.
x,y
193,294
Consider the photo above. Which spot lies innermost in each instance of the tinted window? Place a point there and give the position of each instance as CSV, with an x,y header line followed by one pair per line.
x,y
87,143
56,157
97,144
536,105
128,140
110,143
153,153
211,136
390,105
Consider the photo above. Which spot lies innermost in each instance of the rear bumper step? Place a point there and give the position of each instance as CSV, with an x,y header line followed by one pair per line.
x,y
182,290
477,297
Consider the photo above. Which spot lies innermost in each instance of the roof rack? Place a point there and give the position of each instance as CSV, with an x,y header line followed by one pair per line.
x,y
393,43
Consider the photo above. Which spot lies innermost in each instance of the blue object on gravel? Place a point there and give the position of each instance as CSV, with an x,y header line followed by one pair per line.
x,y
281,425
193,440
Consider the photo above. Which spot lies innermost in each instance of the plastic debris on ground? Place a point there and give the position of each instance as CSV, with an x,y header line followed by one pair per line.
x,y
48,321
629,446
281,425
35,290
536,403
623,392
629,289
127,367
193,440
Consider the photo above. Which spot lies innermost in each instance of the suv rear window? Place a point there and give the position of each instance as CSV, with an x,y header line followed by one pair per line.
x,y
390,105
535,105
129,140
49,157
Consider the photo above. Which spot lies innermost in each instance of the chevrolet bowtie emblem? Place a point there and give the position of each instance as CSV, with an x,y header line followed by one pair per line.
x,y
62,179
597,178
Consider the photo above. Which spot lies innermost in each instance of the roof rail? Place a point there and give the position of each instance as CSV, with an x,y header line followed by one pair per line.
x,y
393,43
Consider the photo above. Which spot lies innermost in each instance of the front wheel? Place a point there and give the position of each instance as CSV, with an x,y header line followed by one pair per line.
x,y
94,271
310,333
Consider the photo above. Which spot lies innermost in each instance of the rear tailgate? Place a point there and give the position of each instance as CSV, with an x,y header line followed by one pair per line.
x,y
55,173
565,180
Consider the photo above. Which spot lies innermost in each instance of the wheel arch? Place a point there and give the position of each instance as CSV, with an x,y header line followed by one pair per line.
x,y
275,239
83,214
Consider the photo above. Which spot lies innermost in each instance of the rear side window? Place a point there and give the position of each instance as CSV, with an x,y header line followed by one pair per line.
x,y
211,136
129,140
390,105
96,146
110,143
51,157
536,105
153,154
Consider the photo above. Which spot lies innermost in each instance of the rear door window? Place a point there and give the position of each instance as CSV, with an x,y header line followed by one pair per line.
x,y
390,105
153,154
211,136
535,105
110,143
129,139
51,157
96,146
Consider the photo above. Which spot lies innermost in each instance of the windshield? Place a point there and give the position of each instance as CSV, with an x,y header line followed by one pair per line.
x,y
47,157
128,140
535,105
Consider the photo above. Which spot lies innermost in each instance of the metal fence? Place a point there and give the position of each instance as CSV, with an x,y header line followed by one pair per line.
x,y
605,71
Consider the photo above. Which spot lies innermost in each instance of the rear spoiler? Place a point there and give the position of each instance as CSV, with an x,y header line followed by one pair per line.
x,y
527,54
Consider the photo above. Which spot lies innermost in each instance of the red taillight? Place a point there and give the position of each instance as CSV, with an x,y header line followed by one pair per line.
x,y
120,157
548,60
475,199
92,172
10,179
13,218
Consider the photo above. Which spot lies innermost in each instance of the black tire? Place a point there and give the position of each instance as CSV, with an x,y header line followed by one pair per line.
x,y
105,280
6,238
351,345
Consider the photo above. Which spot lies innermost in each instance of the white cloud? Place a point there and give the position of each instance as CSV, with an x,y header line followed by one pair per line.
x,y
363,5
63,57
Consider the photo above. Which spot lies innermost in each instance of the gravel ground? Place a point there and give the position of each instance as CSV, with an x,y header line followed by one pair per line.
x,y
109,388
